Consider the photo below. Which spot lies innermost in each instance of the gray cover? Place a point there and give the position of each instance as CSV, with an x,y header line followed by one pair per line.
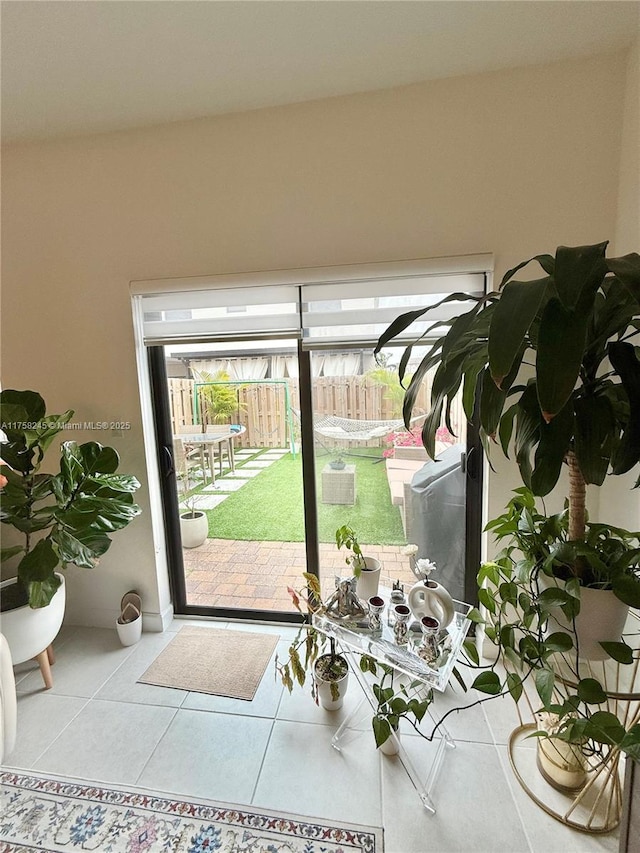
x,y
438,517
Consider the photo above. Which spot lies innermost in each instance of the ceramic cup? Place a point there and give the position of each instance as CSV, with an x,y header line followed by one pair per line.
x,y
401,625
376,608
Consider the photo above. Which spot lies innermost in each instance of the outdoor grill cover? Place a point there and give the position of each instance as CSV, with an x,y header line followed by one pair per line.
x,y
438,511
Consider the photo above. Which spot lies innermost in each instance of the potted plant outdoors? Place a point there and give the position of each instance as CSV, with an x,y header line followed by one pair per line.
x,y
61,518
365,569
194,524
337,462
330,670
548,367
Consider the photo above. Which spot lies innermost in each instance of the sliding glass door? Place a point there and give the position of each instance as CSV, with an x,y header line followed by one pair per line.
x,y
275,425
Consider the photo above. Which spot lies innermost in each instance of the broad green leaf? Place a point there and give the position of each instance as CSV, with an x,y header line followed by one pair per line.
x,y
471,651
42,591
578,272
488,682
591,692
594,426
98,459
630,743
21,406
551,598
627,588
381,729
516,309
625,361
39,563
555,441
547,262
558,642
545,680
620,652
561,344
605,727
627,269
514,683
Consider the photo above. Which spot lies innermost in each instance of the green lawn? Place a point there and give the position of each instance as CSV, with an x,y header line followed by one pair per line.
x,y
269,506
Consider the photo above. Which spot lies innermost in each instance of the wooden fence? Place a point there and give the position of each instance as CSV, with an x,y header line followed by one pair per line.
x,y
262,407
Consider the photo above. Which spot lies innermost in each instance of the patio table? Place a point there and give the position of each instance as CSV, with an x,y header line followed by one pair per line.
x,y
210,441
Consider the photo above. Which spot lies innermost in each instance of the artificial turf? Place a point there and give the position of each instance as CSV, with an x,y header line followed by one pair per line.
x,y
269,507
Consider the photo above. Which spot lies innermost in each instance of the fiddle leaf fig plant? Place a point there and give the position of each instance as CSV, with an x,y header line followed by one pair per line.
x,y
61,518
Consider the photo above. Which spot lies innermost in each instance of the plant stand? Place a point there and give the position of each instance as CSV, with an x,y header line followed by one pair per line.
x,y
339,486
597,807
352,726
355,639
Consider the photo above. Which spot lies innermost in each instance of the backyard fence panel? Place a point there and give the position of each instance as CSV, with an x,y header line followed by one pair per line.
x,y
264,415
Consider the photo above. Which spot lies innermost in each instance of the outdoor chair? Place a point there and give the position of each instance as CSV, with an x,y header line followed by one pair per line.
x,y
222,448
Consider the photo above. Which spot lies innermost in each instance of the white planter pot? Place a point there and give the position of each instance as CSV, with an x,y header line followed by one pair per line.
x,y
602,618
30,631
129,632
369,579
324,690
194,531
391,746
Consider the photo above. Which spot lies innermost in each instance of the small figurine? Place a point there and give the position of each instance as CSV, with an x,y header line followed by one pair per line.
x,y
344,601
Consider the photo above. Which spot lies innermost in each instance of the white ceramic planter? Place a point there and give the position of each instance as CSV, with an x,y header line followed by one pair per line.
x,y
129,632
324,690
369,579
194,531
391,746
30,631
602,618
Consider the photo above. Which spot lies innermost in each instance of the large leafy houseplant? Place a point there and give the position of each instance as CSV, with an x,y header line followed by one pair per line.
x,y
62,518
549,371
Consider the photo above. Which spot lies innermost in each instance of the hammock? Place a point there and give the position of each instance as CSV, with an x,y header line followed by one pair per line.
x,y
348,429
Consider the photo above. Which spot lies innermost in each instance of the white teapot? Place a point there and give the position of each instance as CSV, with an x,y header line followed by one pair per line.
x,y
428,598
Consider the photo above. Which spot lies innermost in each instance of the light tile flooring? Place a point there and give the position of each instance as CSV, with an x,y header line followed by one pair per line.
x,y
97,723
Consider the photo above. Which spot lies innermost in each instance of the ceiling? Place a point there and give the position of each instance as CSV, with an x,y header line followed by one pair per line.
x,y
97,65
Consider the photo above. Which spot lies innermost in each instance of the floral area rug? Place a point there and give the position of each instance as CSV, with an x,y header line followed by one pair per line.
x,y
53,815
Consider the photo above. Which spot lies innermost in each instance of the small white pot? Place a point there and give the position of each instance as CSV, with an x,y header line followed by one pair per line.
x,y
129,632
391,746
194,529
29,631
324,689
369,579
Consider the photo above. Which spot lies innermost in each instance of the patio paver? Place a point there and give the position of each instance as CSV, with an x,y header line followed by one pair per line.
x,y
255,575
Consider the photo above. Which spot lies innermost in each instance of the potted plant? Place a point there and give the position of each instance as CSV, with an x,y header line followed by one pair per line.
x,y
330,670
60,518
194,524
337,462
548,368
365,569
393,705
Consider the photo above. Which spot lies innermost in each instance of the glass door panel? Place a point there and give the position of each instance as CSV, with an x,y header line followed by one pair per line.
x,y
375,476
234,413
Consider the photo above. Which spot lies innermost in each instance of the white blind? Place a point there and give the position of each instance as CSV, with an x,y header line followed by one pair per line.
x,y
323,305
199,314
361,311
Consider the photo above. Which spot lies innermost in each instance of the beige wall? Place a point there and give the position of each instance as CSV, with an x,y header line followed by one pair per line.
x,y
511,163
617,503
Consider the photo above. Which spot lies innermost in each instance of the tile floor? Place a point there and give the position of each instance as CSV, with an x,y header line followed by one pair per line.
x,y
98,723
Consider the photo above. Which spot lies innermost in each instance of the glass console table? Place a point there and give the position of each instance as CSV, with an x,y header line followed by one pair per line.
x,y
355,638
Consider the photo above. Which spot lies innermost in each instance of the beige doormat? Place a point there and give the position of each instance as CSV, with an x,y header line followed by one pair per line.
x,y
210,660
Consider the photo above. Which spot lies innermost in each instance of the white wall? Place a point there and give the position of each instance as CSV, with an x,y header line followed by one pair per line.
x,y
512,163
618,504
